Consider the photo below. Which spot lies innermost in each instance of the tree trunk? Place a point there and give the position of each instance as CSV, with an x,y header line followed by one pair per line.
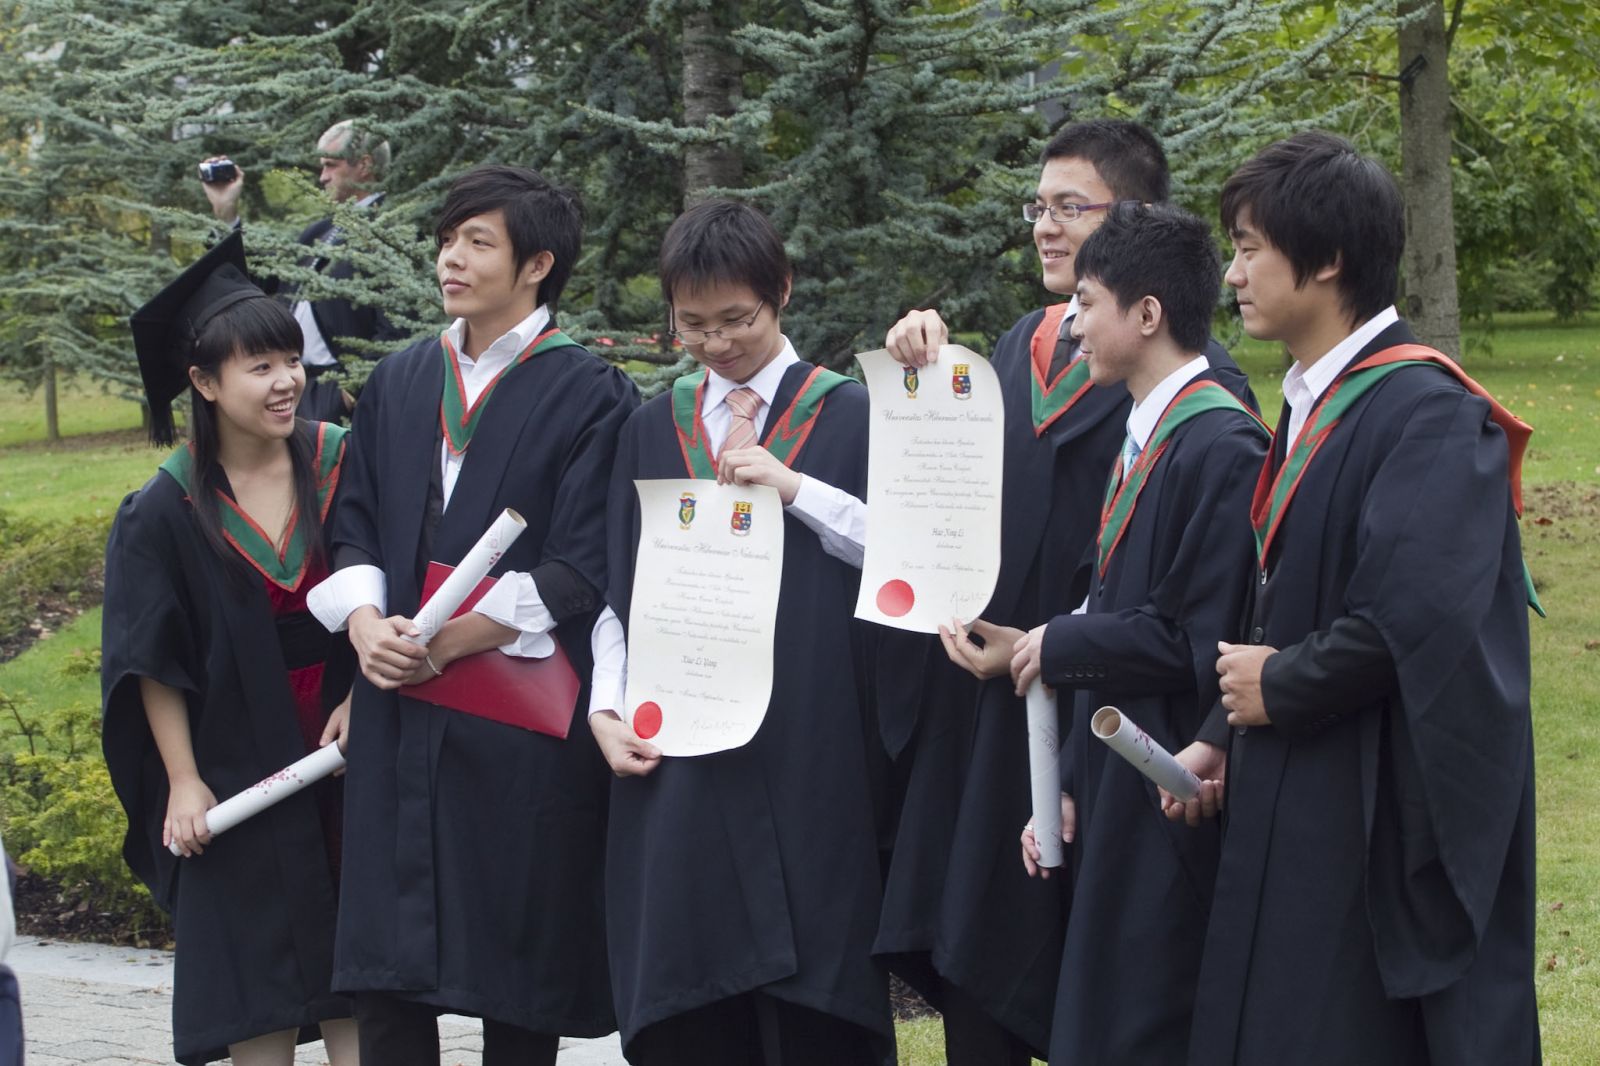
x,y
711,80
52,421
1431,303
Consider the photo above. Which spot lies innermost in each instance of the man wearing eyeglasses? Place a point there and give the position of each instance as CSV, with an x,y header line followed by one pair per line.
x,y
961,919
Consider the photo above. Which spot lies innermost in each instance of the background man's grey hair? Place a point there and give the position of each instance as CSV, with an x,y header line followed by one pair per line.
x,y
344,139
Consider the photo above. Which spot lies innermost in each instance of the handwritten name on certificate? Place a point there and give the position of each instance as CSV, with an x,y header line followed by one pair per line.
x,y
933,490
704,609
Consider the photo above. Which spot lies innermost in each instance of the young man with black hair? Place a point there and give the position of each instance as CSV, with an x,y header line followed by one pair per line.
x,y
1374,898
742,887
473,849
1171,564
961,920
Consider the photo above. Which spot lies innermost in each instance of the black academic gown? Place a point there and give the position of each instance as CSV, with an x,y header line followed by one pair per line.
x,y
754,868
997,932
1174,585
473,866
1374,900
254,914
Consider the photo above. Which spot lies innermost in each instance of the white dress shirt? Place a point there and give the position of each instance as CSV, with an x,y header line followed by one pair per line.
x,y
1066,325
514,601
315,350
838,518
1302,386
1146,413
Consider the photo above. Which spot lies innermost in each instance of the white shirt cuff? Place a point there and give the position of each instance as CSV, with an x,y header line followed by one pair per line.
x,y
837,518
608,683
337,597
515,603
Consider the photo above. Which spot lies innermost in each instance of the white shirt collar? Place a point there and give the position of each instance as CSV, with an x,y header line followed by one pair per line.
x,y
1302,386
506,347
1145,414
370,199
1072,312
765,382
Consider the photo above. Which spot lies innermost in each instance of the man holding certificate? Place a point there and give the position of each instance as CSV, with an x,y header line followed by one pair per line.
x,y
472,861
992,934
742,885
1171,566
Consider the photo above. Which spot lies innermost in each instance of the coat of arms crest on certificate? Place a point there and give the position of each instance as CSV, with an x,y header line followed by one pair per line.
x,y
741,518
911,382
961,380
685,510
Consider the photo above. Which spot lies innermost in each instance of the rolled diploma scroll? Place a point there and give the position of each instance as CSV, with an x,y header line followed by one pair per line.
x,y
1147,757
430,618
432,615
1044,767
263,794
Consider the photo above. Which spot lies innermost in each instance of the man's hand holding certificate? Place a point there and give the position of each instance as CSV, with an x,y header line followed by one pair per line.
x,y
704,610
933,490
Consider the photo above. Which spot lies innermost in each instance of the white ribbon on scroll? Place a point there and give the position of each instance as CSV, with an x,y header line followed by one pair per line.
x,y
933,490
1044,768
702,621
454,590
268,791
1149,758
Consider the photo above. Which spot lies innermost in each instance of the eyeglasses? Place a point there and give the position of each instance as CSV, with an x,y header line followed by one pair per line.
x,y
729,332
1033,212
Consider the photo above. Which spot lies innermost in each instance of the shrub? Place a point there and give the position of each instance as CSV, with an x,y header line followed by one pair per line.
x,y
39,560
61,816
63,822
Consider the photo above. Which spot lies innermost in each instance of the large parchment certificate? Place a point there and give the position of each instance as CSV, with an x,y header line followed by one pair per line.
x,y
705,604
933,490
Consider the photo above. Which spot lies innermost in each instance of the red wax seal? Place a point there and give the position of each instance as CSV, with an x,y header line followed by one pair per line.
x,y
895,598
647,720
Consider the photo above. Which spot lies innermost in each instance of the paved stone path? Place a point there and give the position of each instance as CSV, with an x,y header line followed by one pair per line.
x,y
91,1005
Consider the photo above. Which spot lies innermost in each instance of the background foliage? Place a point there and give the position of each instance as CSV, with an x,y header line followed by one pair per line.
x,y
891,141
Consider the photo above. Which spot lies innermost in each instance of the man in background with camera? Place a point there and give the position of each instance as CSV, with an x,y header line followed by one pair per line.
x,y
353,165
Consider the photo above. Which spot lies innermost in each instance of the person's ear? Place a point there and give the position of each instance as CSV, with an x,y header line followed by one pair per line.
x,y
204,383
538,267
1332,270
783,299
1150,315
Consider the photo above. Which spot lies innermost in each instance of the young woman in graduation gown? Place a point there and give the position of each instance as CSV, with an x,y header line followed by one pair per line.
x,y
215,676
742,887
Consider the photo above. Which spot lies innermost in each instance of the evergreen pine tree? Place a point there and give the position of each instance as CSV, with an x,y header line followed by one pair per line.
x,y
892,142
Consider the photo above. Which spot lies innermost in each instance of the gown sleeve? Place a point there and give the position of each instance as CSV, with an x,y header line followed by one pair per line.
x,y
147,631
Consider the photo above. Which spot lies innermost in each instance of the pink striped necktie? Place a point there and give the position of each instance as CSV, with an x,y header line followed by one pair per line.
x,y
743,403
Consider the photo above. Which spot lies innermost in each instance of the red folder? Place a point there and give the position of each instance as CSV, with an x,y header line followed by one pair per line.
x,y
536,694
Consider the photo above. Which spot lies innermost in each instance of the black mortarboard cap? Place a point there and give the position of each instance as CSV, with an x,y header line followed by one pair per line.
x,y
165,329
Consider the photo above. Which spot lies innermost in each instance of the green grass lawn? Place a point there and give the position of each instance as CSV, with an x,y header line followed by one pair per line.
x,y
82,408
61,481
1548,374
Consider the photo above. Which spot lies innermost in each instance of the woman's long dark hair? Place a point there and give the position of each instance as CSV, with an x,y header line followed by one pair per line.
x,y
248,328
